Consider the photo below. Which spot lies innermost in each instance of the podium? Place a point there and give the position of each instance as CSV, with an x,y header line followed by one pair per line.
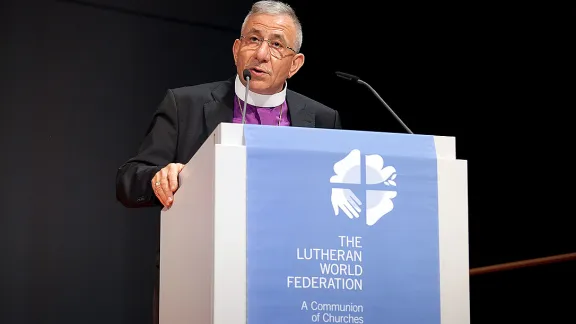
x,y
278,225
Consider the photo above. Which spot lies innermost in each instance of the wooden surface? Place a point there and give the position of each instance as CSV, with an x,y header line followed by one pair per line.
x,y
523,264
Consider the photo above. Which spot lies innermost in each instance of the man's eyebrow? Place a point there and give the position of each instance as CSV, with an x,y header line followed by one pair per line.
x,y
272,36
253,31
278,37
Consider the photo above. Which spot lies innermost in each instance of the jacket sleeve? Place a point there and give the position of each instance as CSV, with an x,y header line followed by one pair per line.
x,y
158,148
337,122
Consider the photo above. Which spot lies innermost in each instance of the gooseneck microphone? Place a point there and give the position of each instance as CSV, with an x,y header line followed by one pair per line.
x,y
356,79
246,75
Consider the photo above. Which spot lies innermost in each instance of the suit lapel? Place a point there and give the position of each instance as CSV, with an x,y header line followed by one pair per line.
x,y
221,109
299,115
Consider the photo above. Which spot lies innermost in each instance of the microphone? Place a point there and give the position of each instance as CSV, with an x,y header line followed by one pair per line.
x,y
246,75
356,79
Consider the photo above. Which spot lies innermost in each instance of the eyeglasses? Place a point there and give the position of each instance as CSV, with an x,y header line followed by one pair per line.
x,y
277,48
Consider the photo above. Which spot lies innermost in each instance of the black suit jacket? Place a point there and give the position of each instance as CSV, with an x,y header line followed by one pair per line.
x,y
181,124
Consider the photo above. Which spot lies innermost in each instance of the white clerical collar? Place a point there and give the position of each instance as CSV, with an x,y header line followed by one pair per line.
x,y
260,100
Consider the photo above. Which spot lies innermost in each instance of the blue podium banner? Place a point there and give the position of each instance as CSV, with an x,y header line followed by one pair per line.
x,y
342,227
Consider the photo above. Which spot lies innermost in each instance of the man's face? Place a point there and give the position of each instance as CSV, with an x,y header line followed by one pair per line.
x,y
270,63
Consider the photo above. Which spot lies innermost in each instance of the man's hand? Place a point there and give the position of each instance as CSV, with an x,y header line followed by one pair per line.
x,y
165,183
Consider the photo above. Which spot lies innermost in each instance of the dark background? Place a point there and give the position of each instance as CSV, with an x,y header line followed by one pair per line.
x,y
80,81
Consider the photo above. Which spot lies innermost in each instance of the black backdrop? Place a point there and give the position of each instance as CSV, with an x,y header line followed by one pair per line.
x,y
81,79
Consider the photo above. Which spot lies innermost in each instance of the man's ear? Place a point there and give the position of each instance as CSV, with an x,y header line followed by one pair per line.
x,y
297,62
235,49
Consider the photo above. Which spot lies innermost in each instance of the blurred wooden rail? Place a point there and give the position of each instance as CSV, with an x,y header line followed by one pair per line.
x,y
523,264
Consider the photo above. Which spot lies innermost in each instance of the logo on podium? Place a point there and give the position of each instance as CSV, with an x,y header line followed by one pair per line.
x,y
348,175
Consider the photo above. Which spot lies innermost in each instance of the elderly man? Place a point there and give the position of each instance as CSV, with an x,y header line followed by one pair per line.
x,y
269,47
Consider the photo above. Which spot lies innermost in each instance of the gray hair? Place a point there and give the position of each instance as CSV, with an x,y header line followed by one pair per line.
x,y
271,7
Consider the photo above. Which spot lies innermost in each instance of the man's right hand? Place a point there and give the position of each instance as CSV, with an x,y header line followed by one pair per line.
x,y
165,183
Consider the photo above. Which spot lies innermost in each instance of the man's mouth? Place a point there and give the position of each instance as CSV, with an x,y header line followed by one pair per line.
x,y
258,71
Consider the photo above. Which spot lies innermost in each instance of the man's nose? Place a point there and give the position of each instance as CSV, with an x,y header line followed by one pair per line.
x,y
263,52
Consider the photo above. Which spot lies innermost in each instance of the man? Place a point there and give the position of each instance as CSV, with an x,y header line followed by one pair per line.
x,y
269,47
